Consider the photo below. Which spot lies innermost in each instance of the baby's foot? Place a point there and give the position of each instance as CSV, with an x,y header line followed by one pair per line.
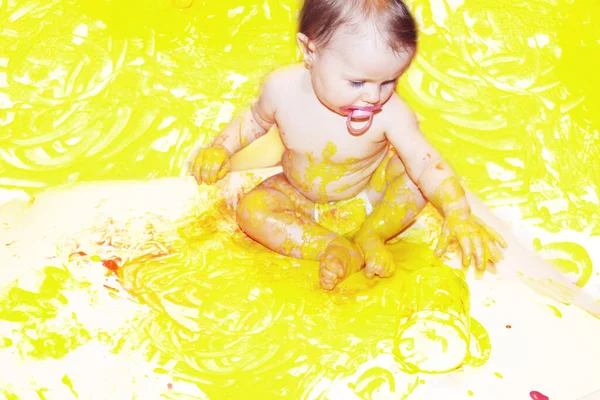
x,y
378,259
340,259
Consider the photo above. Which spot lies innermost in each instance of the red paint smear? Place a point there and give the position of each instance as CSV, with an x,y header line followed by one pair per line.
x,y
508,326
538,396
110,264
170,386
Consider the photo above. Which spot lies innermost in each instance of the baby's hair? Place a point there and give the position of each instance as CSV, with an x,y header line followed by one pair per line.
x,y
320,19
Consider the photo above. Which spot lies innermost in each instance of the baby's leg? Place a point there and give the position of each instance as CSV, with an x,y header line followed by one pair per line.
x,y
398,203
276,215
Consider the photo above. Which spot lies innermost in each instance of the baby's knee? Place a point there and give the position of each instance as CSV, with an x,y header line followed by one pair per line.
x,y
255,207
249,208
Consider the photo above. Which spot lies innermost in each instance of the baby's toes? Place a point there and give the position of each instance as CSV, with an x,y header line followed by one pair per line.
x,y
335,265
327,279
328,271
387,266
380,264
372,264
327,282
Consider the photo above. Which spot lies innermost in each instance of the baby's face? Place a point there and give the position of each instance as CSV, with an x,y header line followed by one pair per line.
x,y
356,69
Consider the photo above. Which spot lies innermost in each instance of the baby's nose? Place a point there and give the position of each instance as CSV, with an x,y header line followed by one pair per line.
x,y
371,95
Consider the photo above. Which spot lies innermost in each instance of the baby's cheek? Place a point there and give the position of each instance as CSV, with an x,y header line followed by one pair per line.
x,y
327,92
387,93
345,96
332,89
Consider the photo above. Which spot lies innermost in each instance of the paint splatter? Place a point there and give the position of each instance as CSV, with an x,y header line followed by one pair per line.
x,y
555,310
535,395
111,265
65,380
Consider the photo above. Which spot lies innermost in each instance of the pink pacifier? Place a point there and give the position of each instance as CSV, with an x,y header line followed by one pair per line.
x,y
356,112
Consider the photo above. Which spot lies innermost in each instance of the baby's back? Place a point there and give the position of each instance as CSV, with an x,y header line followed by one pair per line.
x,y
322,159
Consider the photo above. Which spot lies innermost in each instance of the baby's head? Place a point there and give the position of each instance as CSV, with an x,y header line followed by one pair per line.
x,y
356,49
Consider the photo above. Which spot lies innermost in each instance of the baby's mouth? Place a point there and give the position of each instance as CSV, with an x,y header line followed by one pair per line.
x,y
358,112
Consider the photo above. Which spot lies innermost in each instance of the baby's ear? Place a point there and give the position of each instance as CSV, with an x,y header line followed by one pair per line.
x,y
307,47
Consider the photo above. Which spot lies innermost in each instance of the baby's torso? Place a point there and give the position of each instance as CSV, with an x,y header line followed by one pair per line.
x,y
322,159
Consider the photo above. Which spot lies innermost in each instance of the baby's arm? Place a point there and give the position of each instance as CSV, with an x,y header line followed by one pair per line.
x,y
440,185
212,163
253,122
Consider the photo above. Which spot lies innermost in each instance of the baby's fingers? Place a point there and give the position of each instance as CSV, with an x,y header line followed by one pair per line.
x,y
481,253
197,168
213,170
490,231
442,242
493,251
224,169
467,250
212,165
207,166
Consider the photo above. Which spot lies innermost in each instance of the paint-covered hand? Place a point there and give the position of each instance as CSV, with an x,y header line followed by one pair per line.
x,y
474,237
211,164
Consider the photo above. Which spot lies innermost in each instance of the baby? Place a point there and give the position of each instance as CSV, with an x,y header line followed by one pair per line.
x,y
348,136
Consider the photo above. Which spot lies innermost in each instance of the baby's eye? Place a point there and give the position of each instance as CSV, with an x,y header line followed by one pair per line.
x,y
393,82
356,84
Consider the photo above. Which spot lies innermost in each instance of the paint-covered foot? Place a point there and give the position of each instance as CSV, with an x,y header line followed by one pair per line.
x,y
340,259
378,259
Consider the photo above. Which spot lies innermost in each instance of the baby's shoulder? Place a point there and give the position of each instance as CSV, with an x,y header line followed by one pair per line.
x,y
397,109
283,80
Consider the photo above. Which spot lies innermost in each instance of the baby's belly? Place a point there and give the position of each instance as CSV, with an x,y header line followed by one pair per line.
x,y
323,182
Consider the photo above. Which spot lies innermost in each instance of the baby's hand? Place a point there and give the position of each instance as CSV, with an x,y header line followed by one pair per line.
x,y
474,237
211,164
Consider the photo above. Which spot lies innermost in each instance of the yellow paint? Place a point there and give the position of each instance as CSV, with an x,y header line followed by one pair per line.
x,y
344,217
211,164
435,315
450,196
555,310
499,375
207,318
65,380
478,242
323,170
35,312
568,257
183,3
89,93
